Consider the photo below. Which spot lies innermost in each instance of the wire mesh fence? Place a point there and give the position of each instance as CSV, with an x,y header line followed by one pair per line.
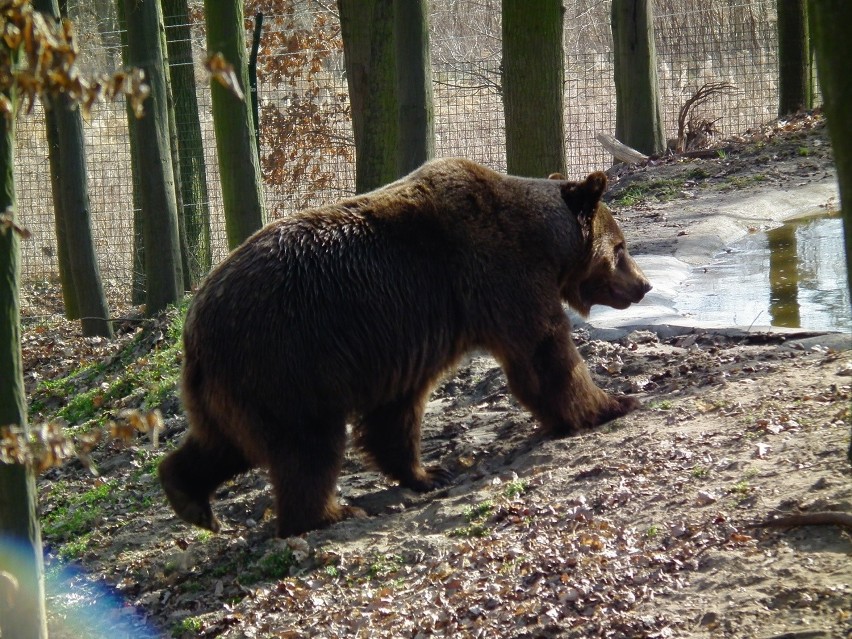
x,y
307,149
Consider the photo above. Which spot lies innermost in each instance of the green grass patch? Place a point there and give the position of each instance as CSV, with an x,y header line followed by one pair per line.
x,y
272,566
614,425
659,190
697,173
476,517
203,536
746,181
189,625
76,516
479,511
150,464
663,404
741,490
75,548
146,371
515,488
700,472
277,565
383,566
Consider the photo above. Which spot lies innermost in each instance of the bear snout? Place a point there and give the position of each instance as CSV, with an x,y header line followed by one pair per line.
x,y
640,289
632,283
623,294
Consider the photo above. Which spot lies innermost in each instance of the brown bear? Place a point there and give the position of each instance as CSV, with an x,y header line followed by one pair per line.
x,y
351,312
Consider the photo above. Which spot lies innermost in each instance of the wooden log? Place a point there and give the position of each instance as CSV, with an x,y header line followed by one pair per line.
x,y
620,151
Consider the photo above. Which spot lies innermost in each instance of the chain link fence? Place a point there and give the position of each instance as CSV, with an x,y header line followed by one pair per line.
x,y
307,150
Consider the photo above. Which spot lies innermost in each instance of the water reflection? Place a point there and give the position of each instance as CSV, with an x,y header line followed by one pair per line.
x,y
793,276
783,277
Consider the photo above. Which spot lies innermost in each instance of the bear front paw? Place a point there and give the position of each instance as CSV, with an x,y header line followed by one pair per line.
x,y
193,511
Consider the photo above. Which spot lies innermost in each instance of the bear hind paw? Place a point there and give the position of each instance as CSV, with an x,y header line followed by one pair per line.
x,y
334,513
429,479
616,406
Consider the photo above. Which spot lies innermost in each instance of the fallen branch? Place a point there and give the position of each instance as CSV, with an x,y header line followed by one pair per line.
x,y
621,151
825,518
706,153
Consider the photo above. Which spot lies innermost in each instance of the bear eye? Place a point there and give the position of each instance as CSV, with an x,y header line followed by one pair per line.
x,y
619,250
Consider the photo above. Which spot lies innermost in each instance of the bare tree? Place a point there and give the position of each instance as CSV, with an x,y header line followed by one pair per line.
x,y
533,77
416,142
638,119
834,51
24,616
73,208
368,46
233,121
830,22
795,77
164,276
189,143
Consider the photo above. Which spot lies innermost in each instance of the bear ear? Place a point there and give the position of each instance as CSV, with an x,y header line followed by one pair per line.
x,y
583,197
555,176
595,185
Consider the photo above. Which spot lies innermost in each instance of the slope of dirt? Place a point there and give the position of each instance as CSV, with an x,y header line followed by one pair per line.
x,y
646,527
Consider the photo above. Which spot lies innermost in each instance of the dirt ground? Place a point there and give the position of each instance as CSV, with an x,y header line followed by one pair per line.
x,y
646,527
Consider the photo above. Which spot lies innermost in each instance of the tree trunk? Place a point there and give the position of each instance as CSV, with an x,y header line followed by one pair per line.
x,y
638,120
533,87
20,538
74,208
834,51
239,166
416,120
138,285
367,28
164,278
66,279
795,90
69,294
173,149
830,22
193,176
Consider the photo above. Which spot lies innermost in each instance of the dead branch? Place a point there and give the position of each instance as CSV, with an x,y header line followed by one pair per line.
x,y
620,151
825,518
700,97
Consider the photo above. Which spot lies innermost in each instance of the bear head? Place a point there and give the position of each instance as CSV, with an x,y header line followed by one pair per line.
x,y
611,276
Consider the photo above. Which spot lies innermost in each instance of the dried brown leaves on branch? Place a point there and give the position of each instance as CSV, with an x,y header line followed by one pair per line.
x,y
223,72
7,221
47,64
304,130
47,445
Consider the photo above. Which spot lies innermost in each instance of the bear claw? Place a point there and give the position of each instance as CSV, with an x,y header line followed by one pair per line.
x,y
430,479
192,511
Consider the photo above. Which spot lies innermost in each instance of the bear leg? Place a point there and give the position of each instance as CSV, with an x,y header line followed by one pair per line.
x,y
304,476
548,375
190,474
390,435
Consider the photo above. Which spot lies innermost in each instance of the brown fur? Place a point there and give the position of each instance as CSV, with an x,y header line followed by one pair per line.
x,y
351,313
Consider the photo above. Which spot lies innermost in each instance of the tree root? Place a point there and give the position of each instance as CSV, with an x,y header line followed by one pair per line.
x,y
824,518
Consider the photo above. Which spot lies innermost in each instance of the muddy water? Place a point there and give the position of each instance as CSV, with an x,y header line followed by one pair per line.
x,y
793,276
